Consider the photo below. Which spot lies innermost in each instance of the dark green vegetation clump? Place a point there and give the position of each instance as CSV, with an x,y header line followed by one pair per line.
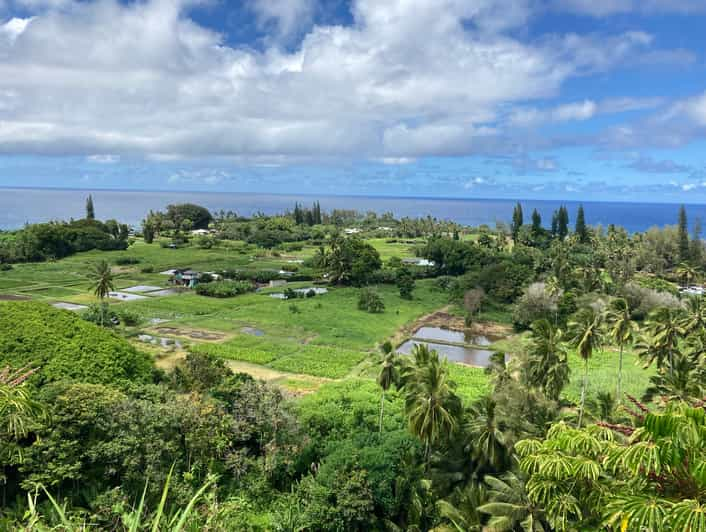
x,y
224,288
65,347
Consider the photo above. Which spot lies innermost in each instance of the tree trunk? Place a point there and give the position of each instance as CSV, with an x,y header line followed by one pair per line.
x,y
620,376
382,408
583,391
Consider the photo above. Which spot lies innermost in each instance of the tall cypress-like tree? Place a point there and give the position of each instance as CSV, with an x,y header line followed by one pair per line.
x,y
581,230
696,246
536,222
517,220
555,223
317,213
683,235
563,222
298,216
90,211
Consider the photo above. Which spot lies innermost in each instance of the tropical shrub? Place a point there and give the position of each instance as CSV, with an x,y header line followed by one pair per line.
x,y
370,301
66,347
224,288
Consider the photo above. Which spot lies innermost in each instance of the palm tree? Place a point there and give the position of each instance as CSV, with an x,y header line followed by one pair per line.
x,y
686,272
666,327
388,376
487,441
460,511
509,507
622,330
586,337
102,283
686,382
432,407
694,318
547,367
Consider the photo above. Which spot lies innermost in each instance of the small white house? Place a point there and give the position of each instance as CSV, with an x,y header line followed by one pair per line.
x,y
200,232
352,230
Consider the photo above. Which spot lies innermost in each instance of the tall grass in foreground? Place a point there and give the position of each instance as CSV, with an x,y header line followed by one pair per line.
x,y
133,521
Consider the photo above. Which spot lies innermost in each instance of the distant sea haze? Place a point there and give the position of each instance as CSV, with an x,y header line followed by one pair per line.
x,y
20,206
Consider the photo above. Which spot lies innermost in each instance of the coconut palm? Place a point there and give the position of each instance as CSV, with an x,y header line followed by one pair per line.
x,y
547,366
694,317
586,337
665,325
388,376
622,331
102,283
686,382
460,512
487,441
509,506
432,407
686,272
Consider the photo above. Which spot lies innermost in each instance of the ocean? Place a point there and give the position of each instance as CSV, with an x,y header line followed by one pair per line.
x,y
20,206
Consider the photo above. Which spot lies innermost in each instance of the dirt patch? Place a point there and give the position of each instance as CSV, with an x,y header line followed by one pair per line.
x,y
194,334
169,360
12,297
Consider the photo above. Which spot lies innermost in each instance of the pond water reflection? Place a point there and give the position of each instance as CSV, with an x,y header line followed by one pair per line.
x,y
466,355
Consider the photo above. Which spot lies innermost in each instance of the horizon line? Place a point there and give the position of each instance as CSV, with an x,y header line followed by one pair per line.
x,y
351,195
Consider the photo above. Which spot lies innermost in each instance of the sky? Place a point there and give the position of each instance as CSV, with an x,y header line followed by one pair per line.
x,y
554,99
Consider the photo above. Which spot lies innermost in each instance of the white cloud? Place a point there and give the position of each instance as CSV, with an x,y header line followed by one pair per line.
x,y
103,159
409,78
13,28
288,17
199,177
396,160
526,117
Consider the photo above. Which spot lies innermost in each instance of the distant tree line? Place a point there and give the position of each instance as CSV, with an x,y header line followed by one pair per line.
x,y
55,240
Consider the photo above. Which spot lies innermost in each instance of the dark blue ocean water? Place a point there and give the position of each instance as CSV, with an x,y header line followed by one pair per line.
x,y
19,206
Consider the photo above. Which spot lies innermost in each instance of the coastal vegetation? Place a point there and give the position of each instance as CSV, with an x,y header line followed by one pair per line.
x,y
290,386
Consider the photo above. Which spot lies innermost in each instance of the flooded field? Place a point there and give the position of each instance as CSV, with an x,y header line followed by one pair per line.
x,y
438,334
465,355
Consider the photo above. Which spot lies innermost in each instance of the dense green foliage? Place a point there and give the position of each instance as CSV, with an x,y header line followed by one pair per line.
x,y
593,420
224,288
65,347
55,240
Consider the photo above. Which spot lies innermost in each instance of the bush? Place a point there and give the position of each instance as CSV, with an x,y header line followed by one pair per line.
x,y
290,267
370,301
224,288
5,267
66,347
385,276
124,261
405,282
147,269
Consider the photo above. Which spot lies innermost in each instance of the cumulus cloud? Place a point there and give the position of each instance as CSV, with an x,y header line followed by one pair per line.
x,y
104,77
284,18
678,124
